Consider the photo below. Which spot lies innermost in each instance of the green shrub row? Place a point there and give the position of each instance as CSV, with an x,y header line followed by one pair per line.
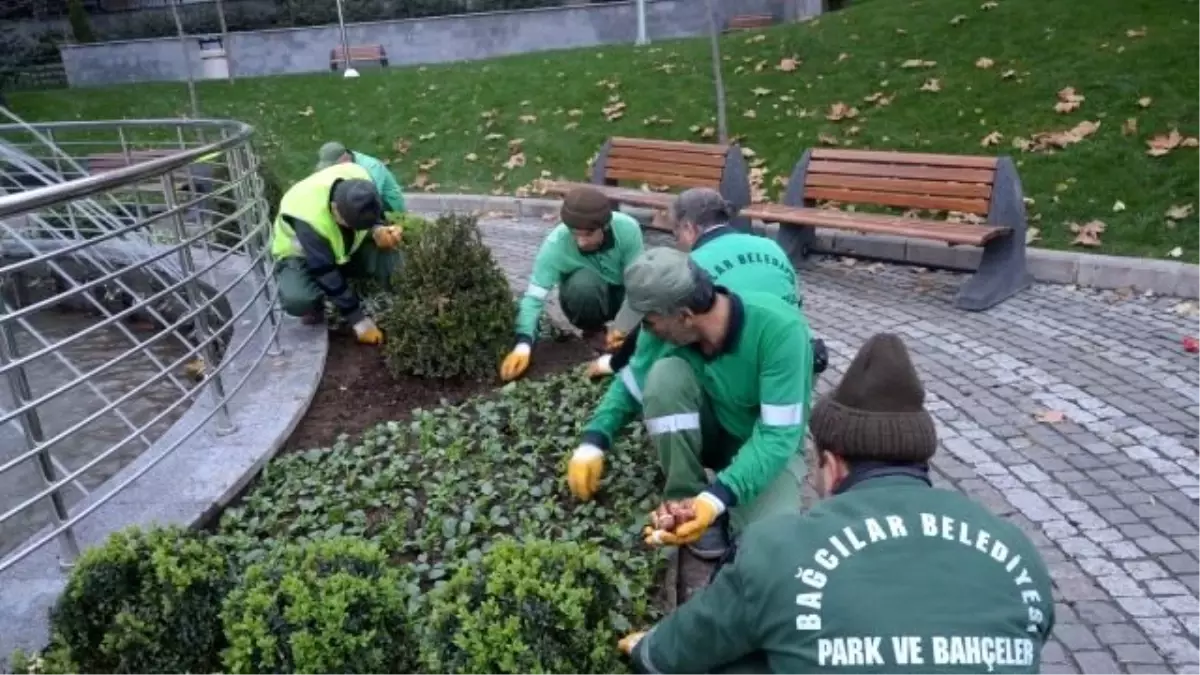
x,y
167,600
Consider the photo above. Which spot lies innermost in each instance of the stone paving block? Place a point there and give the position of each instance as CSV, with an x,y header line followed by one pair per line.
x,y
1096,662
1138,654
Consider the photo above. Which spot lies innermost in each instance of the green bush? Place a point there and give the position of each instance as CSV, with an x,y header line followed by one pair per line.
x,y
528,607
452,313
331,606
144,602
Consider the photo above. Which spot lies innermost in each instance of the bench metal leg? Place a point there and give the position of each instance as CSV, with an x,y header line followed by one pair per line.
x,y
735,185
797,240
1002,271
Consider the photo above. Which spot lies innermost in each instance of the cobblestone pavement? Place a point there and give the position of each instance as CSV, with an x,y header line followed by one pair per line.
x,y
1109,494
59,414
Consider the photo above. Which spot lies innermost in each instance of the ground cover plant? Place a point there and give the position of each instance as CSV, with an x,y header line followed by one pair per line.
x,y
1086,102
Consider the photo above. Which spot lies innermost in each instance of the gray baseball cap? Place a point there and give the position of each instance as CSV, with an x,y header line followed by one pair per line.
x,y
358,202
659,281
329,154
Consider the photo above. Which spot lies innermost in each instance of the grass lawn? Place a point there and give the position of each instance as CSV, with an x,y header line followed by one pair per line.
x,y
987,76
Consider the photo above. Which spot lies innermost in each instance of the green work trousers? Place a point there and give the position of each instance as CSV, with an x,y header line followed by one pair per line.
x,y
685,433
588,301
300,294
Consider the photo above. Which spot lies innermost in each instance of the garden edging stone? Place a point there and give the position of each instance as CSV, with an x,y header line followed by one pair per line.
x,y
1146,275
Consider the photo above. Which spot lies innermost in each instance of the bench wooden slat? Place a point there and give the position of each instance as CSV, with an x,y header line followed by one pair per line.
x,y
337,56
901,171
917,158
938,188
951,233
671,180
710,174
656,200
915,201
668,156
675,146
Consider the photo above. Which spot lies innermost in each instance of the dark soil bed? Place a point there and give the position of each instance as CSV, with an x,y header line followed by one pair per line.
x,y
357,392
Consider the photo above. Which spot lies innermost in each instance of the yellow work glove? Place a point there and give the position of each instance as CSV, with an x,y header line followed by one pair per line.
x,y
387,237
515,363
584,471
707,509
601,367
613,340
367,332
629,642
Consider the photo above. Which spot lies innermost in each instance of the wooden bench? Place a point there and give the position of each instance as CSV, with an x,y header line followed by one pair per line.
x,y
986,187
660,165
749,22
358,53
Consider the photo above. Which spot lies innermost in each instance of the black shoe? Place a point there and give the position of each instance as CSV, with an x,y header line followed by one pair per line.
x,y
714,543
820,356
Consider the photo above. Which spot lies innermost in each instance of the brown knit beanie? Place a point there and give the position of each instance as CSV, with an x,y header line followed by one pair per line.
x,y
877,412
586,208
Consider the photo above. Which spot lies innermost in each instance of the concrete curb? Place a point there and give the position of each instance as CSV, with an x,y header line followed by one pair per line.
x,y
204,472
1161,277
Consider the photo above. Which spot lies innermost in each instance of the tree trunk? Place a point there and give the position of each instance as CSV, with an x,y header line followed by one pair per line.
x,y
718,81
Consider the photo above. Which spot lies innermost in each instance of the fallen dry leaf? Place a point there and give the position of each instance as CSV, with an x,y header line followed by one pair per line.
x,y
528,119
1032,234
1057,139
788,65
471,157
1068,100
760,91
1008,74
1118,206
932,84
515,160
1179,212
1164,143
1129,128
1050,416
991,139
918,63
751,113
990,4
1145,101
840,111
703,132
1136,32
614,111
958,19
757,38
842,57
1087,234
878,98
307,112
984,62
1175,252
826,139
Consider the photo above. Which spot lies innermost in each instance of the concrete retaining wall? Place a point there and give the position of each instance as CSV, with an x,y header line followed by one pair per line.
x,y
414,41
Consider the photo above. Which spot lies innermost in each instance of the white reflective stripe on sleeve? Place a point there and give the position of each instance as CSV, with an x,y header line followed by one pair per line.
x,y
631,385
668,424
535,291
782,415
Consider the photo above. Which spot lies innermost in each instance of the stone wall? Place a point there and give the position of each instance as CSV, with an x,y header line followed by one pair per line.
x,y
408,42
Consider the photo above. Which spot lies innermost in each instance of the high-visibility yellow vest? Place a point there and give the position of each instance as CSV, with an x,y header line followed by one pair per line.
x,y
308,200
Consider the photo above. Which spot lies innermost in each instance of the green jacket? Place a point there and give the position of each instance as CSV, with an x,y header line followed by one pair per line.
x,y
760,389
305,229
559,257
745,262
385,182
889,576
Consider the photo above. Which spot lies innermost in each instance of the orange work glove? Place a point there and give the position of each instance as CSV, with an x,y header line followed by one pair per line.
x,y
706,507
367,332
387,237
613,340
584,471
515,364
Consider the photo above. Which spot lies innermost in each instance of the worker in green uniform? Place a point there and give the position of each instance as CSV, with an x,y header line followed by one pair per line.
x,y
737,260
886,575
330,227
584,256
728,391
389,190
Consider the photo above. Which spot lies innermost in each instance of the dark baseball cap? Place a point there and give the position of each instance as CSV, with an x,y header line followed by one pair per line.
x,y
659,281
358,202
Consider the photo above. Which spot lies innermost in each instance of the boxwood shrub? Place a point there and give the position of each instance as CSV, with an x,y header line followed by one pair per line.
x,y
329,606
146,601
533,606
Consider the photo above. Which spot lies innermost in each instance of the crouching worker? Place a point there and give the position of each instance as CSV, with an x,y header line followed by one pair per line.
x,y
389,188
330,228
584,256
728,390
886,575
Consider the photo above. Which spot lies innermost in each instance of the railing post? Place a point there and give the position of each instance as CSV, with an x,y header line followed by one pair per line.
x,y
31,423
249,226
196,298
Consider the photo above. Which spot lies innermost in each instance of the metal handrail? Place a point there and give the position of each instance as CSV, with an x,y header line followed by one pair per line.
x,y
207,289
30,200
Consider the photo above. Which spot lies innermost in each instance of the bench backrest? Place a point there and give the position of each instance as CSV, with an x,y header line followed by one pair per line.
x,y
901,179
111,161
358,53
750,21
674,164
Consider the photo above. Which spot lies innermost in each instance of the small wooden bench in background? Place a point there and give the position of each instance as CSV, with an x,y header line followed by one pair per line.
x,y
666,164
358,54
749,22
987,187
111,161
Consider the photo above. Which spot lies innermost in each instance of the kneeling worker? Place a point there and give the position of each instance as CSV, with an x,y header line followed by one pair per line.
x,y
887,575
389,189
585,256
728,391
330,227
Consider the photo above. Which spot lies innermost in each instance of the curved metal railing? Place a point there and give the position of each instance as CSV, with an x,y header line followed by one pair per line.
x,y
133,270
